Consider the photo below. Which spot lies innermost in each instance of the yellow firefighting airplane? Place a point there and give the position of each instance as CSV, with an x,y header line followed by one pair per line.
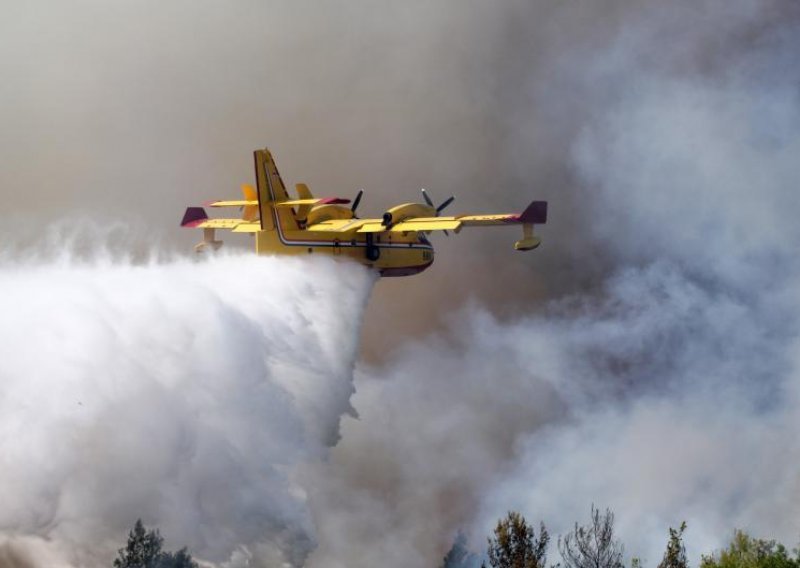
x,y
395,245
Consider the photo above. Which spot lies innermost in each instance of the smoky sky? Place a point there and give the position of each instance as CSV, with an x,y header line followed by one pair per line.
x,y
133,111
658,316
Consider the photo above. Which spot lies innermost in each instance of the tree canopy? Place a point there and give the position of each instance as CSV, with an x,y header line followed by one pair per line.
x,y
516,545
675,555
592,545
144,551
745,551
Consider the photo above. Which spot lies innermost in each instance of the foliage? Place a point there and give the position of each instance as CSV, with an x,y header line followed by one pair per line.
x,y
593,545
515,544
180,559
745,551
675,555
144,551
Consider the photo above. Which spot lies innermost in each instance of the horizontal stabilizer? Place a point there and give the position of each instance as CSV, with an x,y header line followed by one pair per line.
x,y
193,217
196,218
313,201
252,227
291,203
217,224
231,203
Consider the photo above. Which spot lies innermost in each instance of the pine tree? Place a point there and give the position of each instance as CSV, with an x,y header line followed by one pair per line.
x,y
675,555
180,559
515,544
593,545
143,548
144,551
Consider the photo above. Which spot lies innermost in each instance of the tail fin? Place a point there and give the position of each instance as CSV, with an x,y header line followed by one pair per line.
x,y
193,217
270,188
304,193
249,212
535,213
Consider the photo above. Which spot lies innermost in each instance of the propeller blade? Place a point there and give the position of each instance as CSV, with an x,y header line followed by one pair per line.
x,y
427,199
445,204
356,201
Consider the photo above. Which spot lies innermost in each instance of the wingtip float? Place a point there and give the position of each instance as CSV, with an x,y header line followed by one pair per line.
x,y
395,245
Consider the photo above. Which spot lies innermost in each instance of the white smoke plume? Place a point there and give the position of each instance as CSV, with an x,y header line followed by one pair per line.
x,y
183,393
694,188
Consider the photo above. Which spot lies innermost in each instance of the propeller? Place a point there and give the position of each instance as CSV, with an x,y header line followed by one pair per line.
x,y
427,199
441,207
444,204
356,201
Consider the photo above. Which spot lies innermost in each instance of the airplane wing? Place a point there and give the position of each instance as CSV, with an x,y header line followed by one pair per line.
x,y
196,218
536,213
413,224
376,225
489,220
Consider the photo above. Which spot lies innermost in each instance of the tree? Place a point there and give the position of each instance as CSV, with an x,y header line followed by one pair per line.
x,y
675,555
593,545
745,551
144,551
180,559
515,544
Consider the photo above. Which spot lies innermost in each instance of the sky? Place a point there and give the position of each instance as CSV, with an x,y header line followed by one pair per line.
x,y
642,359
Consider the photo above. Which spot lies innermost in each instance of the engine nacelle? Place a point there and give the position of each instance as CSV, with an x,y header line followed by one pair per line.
x,y
405,211
322,213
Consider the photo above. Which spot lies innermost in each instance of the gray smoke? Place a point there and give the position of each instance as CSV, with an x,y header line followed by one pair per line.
x,y
667,390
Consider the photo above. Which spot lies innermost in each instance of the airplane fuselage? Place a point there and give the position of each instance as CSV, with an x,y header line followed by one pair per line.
x,y
390,254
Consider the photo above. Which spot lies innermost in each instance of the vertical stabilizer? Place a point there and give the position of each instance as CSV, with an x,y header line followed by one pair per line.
x,y
250,212
270,188
303,193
